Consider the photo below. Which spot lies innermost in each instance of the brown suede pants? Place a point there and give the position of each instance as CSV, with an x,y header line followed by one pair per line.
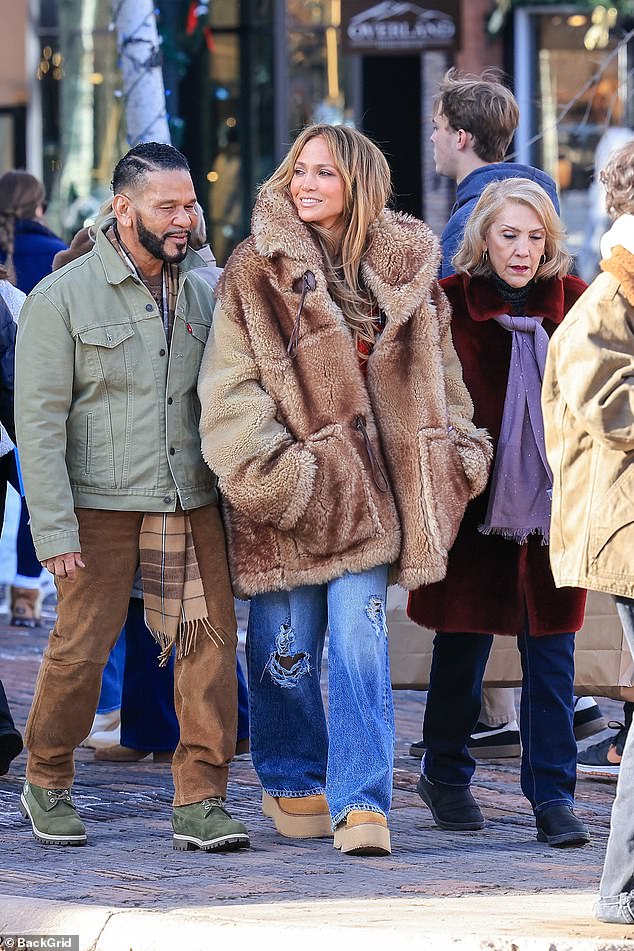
x,y
90,614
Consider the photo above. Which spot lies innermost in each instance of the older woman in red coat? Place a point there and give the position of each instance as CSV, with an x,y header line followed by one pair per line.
x,y
510,293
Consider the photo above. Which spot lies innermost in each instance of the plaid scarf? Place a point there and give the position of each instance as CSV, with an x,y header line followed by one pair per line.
x,y
173,591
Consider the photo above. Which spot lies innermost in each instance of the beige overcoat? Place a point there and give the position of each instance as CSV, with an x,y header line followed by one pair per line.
x,y
588,403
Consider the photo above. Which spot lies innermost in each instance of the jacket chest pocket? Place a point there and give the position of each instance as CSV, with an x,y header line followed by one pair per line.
x,y
109,353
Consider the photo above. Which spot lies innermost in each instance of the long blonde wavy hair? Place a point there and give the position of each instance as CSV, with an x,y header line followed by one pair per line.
x,y
367,189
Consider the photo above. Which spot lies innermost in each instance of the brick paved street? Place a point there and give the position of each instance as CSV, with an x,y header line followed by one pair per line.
x,y
129,863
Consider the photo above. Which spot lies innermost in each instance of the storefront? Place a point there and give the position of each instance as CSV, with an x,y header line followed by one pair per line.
x,y
76,129
243,76
274,66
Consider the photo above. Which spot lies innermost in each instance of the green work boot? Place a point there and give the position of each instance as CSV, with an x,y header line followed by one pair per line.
x,y
208,826
53,816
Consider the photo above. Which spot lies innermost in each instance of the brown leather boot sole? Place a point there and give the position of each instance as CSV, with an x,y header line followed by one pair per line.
x,y
301,817
363,833
125,754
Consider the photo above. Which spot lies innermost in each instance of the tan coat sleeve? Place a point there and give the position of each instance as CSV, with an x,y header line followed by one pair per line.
x,y
262,470
593,359
473,444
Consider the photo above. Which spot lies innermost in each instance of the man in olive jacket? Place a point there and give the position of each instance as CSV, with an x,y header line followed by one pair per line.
x,y
108,354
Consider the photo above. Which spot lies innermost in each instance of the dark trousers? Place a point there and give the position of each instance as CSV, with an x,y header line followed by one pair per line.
x,y
28,564
6,720
148,717
549,750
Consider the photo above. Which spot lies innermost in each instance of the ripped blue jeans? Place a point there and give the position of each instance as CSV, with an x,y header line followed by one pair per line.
x,y
295,752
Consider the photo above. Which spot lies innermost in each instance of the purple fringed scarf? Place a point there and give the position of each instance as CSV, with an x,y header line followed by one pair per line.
x,y
521,484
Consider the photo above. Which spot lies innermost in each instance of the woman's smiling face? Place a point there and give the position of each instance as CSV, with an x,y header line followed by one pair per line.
x,y
317,188
516,241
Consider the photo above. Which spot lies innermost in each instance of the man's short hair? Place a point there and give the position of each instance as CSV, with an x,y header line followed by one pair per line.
x,y
482,106
132,170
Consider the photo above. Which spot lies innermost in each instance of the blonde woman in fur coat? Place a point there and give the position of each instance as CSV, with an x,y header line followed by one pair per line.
x,y
336,419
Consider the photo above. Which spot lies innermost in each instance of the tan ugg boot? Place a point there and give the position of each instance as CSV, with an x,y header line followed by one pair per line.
x,y
26,607
363,833
298,817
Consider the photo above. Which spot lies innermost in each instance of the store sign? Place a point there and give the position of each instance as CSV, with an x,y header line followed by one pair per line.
x,y
393,27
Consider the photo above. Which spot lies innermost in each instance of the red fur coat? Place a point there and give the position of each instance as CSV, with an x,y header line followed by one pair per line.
x,y
492,584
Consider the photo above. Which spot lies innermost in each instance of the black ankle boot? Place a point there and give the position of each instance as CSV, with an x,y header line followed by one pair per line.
x,y
559,826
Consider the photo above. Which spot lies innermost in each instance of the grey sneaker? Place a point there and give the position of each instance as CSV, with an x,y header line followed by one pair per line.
x,y
52,814
208,826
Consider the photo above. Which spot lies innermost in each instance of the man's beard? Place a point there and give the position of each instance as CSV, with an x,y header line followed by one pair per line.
x,y
156,245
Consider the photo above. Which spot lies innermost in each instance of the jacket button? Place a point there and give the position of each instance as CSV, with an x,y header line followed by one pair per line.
x,y
161,352
167,499
172,451
169,400
149,307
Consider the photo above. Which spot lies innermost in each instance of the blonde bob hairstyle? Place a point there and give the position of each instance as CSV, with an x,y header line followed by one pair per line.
x,y
367,190
470,258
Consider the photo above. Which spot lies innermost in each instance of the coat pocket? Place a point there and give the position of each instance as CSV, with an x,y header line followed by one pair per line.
x,y
341,513
612,533
445,487
108,352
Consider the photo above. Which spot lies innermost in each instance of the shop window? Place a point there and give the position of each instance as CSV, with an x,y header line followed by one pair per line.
x,y
82,116
230,127
582,97
319,79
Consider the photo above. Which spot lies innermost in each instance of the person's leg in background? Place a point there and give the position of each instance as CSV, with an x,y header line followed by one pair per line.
x,y
603,759
498,706
10,738
549,749
453,707
496,733
106,726
242,739
148,717
616,890
26,591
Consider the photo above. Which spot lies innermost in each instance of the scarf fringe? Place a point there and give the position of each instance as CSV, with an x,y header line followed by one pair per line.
x,y
517,535
185,639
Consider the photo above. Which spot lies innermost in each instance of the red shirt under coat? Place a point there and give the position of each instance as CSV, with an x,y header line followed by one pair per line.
x,y
493,584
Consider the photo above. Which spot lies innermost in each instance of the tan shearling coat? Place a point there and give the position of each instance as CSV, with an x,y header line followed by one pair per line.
x,y
324,470
588,403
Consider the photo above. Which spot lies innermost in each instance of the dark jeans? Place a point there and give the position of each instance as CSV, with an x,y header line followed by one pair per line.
x,y
28,564
133,681
148,717
616,891
549,750
6,720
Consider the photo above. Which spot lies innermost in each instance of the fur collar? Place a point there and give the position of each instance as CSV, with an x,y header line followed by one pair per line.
x,y
621,265
547,298
400,264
